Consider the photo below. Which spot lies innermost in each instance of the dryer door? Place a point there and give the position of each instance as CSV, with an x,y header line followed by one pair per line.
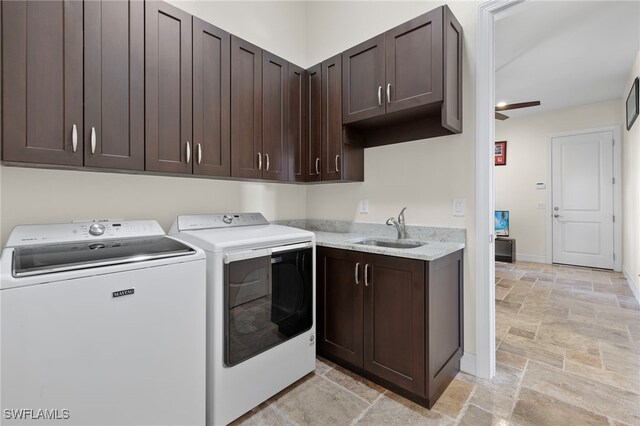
x,y
268,299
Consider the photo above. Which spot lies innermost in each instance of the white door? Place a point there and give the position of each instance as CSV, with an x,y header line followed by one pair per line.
x,y
582,182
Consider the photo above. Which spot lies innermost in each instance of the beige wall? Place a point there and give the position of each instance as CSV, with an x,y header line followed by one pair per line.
x,y
423,175
277,26
631,189
527,157
45,196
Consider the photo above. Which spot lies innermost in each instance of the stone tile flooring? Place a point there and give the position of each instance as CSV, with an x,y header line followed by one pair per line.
x,y
568,353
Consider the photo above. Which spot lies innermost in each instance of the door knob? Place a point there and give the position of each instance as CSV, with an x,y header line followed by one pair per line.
x,y
557,215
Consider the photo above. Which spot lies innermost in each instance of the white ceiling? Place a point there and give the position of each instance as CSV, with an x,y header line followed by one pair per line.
x,y
565,53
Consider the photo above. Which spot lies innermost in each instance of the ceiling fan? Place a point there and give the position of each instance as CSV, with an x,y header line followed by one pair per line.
x,y
505,107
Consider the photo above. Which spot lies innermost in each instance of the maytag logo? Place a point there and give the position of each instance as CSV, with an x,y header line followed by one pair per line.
x,y
276,260
126,292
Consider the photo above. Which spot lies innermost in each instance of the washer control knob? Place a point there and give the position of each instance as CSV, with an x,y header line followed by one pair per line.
x,y
96,229
227,218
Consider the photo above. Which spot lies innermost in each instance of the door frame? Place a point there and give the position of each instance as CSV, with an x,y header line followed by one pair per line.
x,y
617,191
485,327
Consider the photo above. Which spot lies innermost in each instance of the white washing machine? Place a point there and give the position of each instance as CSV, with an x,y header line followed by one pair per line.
x,y
101,324
260,308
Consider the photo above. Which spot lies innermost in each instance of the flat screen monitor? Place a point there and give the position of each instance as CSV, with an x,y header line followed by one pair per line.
x,y
502,223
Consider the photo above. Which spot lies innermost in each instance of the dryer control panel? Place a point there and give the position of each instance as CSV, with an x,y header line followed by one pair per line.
x,y
216,221
29,235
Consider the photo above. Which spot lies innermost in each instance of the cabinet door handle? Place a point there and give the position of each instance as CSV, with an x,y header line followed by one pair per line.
x,y
199,153
74,138
188,152
356,273
259,161
93,140
318,165
366,275
337,163
379,95
266,159
388,93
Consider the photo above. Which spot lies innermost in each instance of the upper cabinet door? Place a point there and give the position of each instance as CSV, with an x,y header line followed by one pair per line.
x,y
297,137
211,100
114,84
414,62
363,80
275,105
246,109
314,123
331,118
42,82
168,88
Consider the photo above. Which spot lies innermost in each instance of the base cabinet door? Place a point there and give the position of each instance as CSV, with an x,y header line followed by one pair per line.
x,y
339,303
394,321
42,75
114,84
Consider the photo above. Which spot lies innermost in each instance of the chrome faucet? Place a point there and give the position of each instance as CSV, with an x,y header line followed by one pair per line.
x,y
399,224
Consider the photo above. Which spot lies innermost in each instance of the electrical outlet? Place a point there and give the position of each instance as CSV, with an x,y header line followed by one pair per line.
x,y
458,206
540,206
363,208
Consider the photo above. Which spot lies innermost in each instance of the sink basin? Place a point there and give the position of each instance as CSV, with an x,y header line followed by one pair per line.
x,y
399,244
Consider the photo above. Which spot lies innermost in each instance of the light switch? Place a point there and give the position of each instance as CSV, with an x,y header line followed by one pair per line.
x,y
363,208
458,206
541,185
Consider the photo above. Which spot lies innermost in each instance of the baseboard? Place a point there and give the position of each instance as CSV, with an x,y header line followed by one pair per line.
x,y
632,283
531,258
468,363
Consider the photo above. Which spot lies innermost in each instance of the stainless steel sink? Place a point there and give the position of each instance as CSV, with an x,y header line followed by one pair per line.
x,y
399,244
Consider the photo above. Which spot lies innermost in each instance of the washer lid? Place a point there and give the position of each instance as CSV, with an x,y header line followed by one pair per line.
x,y
50,258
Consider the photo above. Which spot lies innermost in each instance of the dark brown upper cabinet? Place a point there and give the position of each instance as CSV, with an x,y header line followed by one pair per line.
x,y
406,84
331,160
114,84
342,153
333,152
275,109
168,80
42,76
314,124
297,135
363,80
246,109
211,100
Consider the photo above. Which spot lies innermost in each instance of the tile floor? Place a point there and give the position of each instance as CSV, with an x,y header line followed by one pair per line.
x,y
568,353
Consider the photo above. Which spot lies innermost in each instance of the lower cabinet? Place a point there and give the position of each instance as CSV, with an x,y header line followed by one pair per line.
x,y
393,320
